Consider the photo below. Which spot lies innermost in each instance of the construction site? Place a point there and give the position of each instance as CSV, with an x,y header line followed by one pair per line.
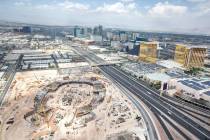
x,y
68,104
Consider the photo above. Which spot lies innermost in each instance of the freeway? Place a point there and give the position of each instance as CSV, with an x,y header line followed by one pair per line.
x,y
156,103
9,76
195,105
92,58
177,102
97,61
151,131
161,106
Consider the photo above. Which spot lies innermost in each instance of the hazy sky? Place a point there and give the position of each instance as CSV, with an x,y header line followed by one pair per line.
x,y
190,16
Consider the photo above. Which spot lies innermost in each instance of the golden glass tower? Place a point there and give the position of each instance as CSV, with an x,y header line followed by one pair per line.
x,y
190,56
148,52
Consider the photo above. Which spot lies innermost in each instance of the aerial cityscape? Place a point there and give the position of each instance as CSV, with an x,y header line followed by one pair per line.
x,y
98,72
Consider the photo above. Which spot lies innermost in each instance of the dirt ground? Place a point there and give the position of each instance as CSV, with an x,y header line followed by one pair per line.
x,y
111,115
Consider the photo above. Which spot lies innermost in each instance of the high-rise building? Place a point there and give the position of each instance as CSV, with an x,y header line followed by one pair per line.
x,y
89,30
123,36
190,56
98,30
26,29
180,54
78,31
100,27
148,51
109,35
134,50
135,35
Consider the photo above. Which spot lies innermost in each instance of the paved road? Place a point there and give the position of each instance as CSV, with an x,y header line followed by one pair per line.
x,y
156,102
152,134
160,105
9,76
10,73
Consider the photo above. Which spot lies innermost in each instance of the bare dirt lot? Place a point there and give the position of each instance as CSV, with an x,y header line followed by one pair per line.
x,y
81,105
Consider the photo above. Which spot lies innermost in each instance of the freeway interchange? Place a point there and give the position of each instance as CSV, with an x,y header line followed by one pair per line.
x,y
162,107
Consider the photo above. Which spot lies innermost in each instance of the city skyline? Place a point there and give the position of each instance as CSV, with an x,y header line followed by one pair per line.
x,y
182,16
104,70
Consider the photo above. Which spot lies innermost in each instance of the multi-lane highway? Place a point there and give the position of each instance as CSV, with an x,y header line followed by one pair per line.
x,y
93,59
151,131
162,107
157,103
8,76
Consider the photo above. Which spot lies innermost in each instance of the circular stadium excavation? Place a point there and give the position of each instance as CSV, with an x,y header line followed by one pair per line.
x,y
46,105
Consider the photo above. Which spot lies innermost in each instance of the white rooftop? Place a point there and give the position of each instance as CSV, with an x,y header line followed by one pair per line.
x,y
158,77
169,64
11,57
193,46
94,47
25,51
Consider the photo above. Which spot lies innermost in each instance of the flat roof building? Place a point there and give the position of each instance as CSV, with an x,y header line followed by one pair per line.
x,y
169,64
192,87
158,76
